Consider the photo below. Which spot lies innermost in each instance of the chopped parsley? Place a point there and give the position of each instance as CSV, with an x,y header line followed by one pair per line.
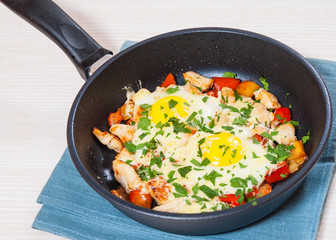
x,y
263,80
266,135
252,179
145,106
181,191
242,165
179,126
229,74
240,121
306,137
143,135
172,103
147,173
233,109
237,96
156,160
131,147
129,162
184,171
204,163
171,176
234,152
191,116
284,175
144,123
228,128
238,182
172,90
208,191
212,176
205,99
199,152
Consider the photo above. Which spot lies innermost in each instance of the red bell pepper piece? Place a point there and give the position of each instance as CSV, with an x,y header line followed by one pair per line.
x,y
170,80
253,193
220,82
231,199
279,174
283,115
258,137
212,93
115,118
264,189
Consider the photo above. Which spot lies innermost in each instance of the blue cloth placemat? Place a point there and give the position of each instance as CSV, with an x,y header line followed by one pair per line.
x,y
72,209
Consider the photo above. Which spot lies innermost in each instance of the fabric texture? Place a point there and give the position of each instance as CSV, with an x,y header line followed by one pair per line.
x,y
72,209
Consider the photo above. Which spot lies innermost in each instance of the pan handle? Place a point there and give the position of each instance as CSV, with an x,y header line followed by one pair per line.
x,y
51,20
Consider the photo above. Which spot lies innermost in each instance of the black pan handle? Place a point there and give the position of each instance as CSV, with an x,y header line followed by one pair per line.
x,y
51,20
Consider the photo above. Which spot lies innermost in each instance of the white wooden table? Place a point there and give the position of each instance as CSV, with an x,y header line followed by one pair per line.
x,y
38,82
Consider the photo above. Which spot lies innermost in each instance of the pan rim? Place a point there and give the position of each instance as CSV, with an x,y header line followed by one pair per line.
x,y
290,182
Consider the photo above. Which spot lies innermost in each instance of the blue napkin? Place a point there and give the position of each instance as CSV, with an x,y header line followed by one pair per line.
x,y
72,209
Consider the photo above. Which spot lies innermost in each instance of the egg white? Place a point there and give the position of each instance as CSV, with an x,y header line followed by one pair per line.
x,y
183,147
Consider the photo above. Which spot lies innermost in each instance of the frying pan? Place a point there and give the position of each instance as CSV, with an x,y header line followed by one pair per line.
x,y
208,51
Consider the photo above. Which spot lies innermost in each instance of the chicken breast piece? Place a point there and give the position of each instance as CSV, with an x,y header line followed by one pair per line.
x,y
190,88
125,155
128,177
159,189
124,132
198,80
267,99
108,139
260,114
226,91
285,135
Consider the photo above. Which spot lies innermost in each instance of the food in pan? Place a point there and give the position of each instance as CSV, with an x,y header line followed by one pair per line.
x,y
209,145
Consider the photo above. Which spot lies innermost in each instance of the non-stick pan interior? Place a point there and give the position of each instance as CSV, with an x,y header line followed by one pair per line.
x,y
210,52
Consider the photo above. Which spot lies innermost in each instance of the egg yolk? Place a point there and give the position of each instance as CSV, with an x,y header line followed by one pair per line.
x,y
222,149
167,107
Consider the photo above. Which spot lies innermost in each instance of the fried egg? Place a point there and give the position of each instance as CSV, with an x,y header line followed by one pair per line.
x,y
199,143
223,149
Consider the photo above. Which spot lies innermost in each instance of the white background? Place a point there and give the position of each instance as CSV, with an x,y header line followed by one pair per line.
x,y
38,82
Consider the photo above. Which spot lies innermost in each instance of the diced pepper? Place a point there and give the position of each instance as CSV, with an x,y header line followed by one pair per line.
x,y
278,175
140,199
283,115
170,80
258,138
298,151
220,82
115,118
264,189
297,157
212,93
247,88
231,199
253,193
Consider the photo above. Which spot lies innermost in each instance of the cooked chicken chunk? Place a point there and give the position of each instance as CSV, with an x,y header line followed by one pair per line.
x,y
124,132
128,177
260,114
159,189
108,139
285,135
190,88
198,80
267,99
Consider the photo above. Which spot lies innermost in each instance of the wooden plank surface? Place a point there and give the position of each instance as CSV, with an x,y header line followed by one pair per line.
x,y
38,82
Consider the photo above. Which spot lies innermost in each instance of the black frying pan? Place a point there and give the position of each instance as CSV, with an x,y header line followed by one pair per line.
x,y
208,51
